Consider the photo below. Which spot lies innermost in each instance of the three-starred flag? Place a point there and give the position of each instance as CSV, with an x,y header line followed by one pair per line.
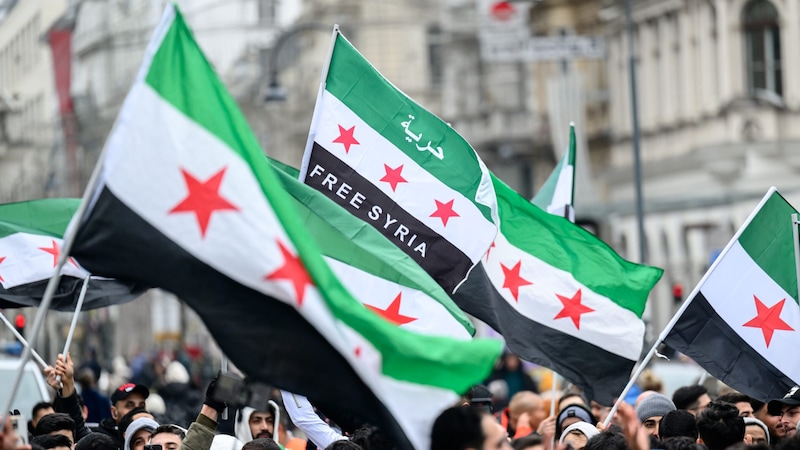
x,y
30,244
390,162
243,260
381,276
560,297
742,321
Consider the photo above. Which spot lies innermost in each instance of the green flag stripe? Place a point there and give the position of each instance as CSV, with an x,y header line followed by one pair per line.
x,y
354,242
768,239
562,244
357,84
448,363
46,217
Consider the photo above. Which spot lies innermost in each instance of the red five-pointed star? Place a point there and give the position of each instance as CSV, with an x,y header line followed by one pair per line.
x,y
768,319
55,250
573,308
2,258
346,138
512,279
393,176
294,271
444,211
392,312
203,199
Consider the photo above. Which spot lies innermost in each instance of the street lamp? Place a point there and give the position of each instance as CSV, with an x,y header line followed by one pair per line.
x,y
275,92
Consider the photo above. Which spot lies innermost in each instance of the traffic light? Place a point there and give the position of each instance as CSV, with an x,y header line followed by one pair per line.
x,y
19,324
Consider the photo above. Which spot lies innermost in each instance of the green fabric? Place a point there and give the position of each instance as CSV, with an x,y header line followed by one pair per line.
x,y
357,84
48,217
564,245
768,239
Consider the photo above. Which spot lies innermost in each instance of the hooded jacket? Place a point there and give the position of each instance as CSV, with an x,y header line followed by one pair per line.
x,y
241,425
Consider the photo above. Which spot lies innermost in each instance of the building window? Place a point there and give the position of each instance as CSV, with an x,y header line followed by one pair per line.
x,y
435,48
763,47
266,12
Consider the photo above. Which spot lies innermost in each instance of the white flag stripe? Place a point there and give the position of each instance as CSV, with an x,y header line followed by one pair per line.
x,y
563,192
368,159
431,317
25,261
730,290
610,326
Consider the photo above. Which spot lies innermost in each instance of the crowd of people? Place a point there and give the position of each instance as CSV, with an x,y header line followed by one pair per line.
x,y
688,420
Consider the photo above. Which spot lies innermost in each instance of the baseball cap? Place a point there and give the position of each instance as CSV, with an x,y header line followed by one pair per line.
x,y
122,392
792,398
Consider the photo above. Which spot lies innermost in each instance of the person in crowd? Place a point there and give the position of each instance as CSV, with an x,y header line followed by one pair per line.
x,y
744,403
761,412
180,399
169,436
343,444
607,440
651,410
677,423
97,404
600,412
570,398
525,405
578,434
130,416
756,429
460,428
693,398
788,408
96,441
681,443
138,433
302,414
262,444
511,371
478,396
56,423
200,435
720,426
52,442
252,424
572,414
38,411
643,395
530,442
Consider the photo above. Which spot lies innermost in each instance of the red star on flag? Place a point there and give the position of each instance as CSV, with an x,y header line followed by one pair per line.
x,y
2,258
292,270
346,138
513,281
444,211
490,250
393,176
357,352
203,199
573,308
768,319
392,312
55,250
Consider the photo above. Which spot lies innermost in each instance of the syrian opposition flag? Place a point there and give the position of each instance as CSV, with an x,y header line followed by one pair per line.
x,y
560,297
557,193
398,167
30,243
381,276
742,321
186,201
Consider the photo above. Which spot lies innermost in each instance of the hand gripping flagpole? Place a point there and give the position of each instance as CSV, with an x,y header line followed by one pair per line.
x,y
687,302
22,340
74,324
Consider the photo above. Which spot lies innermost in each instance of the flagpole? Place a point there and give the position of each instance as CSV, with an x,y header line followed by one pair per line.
x,y
796,236
552,406
22,340
223,368
312,130
685,305
74,323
